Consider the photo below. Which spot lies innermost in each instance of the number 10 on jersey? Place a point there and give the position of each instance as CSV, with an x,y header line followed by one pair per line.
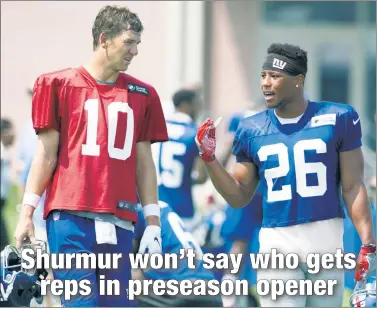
x,y
91,148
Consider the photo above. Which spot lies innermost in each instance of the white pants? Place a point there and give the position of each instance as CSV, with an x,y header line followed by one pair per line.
x,y
301,273
317,237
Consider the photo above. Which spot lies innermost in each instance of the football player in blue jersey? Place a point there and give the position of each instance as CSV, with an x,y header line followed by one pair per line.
x,y
177,162
302,153
174,237
233,231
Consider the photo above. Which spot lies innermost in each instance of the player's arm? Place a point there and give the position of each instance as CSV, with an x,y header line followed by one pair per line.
x,y
154,130
146,178
352,175
146,181
238,187
42,168
355,193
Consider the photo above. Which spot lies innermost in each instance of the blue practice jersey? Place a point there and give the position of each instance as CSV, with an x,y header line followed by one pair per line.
x,y
174,237
298,164
174,162
236,118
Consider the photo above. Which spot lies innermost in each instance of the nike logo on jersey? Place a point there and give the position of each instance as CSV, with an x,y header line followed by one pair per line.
x,y
355,122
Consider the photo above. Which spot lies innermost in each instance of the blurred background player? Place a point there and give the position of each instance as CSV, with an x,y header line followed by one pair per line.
x,y
7,139
83,151
231,131
174,237
229,230
177,162
300,170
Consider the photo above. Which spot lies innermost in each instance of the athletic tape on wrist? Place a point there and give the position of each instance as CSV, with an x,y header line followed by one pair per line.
x,y
31,199
151,210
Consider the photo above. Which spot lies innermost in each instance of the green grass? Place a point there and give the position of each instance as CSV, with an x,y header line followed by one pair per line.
x,y
10,213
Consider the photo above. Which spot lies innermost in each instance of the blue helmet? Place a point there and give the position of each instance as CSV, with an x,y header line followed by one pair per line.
x,y
19,286
364,294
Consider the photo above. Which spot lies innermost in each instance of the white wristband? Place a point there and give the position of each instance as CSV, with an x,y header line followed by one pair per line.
x,y
151,209
31,199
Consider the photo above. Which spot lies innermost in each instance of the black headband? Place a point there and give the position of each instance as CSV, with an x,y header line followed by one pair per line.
x,y
276,62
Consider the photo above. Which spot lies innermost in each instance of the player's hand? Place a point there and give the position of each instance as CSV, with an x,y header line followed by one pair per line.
x,y
206,139
151,240
366,262
25,227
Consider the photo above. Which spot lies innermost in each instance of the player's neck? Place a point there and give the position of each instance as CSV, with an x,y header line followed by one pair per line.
x,y
292,109
99,71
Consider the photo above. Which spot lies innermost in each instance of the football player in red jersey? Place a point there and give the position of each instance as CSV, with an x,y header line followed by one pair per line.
x,y
95,127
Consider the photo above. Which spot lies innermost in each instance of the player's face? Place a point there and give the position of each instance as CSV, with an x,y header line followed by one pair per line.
x,y
277,88
7,137
122,49
194,107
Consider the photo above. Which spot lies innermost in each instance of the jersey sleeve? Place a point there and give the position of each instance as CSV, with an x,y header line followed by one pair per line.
x,y
154,127
239,148
350,131
45,111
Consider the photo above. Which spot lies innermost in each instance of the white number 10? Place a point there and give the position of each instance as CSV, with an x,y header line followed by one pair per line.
x,y
302,168
91,147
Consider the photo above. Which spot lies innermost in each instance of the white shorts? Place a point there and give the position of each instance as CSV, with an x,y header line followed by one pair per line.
x,y
316,237
301,273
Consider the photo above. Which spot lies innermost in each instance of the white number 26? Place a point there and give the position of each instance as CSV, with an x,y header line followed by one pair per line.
x,y
302,168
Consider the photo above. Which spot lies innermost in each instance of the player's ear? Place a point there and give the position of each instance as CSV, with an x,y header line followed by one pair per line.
x,y
103,40
299,81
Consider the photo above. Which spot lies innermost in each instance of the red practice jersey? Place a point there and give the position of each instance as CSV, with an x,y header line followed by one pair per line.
x,y
99,127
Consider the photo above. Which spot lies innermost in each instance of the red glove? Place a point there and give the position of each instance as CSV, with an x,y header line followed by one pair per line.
x,y
206,140
366,262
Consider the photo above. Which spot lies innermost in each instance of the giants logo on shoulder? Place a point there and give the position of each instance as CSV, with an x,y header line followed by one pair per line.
x,y
280,64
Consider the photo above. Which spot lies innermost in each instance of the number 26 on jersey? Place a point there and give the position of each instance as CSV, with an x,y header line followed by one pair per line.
x,y
301,168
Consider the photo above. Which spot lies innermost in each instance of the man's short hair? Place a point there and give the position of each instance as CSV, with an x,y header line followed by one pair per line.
x,y
5,124
292,52
113,20
183,95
